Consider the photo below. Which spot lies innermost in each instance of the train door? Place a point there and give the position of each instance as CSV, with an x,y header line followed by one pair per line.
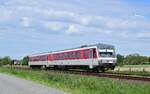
x,y
93,53
91,58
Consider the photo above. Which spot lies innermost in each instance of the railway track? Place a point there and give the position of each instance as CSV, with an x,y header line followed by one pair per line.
x,y
122,76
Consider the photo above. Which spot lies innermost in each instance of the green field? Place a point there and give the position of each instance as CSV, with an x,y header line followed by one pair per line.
x,y
134,66
81,84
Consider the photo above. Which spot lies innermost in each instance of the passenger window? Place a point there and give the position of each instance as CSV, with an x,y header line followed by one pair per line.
x,y
77,55
86,54
91,53
94,53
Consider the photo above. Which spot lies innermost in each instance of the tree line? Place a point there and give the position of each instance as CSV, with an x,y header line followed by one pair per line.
x,y
8,61
132,59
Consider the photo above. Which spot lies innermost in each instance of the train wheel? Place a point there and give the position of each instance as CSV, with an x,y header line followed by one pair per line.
x,y
35,67
96,70
56,68
102,69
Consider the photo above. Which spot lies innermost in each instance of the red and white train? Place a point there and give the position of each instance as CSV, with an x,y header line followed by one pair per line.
x,y
94,57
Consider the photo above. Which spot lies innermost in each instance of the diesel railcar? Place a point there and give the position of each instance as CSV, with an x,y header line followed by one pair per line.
x,y
92,57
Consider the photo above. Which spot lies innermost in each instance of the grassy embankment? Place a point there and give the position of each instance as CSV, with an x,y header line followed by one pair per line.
x,y
80,84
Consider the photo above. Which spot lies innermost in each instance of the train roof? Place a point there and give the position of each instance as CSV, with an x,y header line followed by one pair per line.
x,y
99,45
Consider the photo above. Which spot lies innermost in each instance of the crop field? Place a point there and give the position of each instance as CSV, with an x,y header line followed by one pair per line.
x,y
81,84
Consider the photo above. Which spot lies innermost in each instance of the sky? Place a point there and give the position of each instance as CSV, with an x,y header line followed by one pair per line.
x,y
34,26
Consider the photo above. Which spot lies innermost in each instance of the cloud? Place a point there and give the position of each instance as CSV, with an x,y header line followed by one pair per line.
x,y
55,26
74,28
143,35
26,22
5,15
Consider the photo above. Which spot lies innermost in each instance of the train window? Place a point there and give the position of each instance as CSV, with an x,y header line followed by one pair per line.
x,y
61,56
91,53
35,59
94,53
71,55
42,58
39,58
77,55
66,56
58,56
55,57
86,54
30,59
45,57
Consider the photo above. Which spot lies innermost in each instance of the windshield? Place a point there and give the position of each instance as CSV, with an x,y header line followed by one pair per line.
x,y
106,54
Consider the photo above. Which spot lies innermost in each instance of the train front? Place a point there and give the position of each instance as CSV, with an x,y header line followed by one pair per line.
x,y
107,57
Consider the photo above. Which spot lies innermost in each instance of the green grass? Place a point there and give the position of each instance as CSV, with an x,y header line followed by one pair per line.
x,y
134,66
81,84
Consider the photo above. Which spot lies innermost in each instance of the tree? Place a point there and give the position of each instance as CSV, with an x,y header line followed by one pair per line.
x,y
25,60
120,59
135,59
4,61
0,61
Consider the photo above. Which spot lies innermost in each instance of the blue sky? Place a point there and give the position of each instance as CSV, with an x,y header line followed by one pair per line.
x,y
34,26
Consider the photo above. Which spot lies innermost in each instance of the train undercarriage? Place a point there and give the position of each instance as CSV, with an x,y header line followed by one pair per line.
x,y
102,67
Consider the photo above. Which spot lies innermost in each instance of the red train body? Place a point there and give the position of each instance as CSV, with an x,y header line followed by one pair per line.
x,y
87,57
